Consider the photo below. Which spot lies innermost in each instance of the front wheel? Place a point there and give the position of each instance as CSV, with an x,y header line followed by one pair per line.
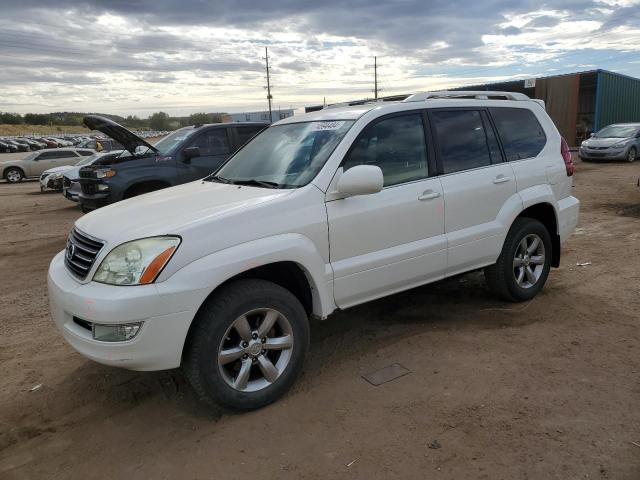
x,y
248,345
13,175
632,155
524,263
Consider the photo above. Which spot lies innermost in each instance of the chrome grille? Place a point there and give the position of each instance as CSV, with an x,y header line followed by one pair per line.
x,y
81,252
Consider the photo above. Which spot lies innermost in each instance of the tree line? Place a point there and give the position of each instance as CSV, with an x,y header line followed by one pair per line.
x,y
156,121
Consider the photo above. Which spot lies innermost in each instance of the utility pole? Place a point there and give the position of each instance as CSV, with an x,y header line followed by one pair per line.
x,y
269,97
375,77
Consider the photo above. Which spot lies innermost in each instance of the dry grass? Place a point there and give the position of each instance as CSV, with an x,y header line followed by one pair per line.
x,y
15,130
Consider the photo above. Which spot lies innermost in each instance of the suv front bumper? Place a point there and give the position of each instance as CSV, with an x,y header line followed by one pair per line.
x,y
94,201
166,314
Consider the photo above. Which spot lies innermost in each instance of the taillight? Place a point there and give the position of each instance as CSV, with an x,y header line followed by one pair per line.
x,y
566,156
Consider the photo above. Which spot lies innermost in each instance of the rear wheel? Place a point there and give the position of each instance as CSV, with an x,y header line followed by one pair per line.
x,y
632,154
524,263
13,175
248,345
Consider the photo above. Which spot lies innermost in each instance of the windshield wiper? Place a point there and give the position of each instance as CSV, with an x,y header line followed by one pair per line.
x,y
216,178
257,183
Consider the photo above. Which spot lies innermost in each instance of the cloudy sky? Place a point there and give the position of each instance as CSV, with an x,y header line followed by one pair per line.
x,y
138,57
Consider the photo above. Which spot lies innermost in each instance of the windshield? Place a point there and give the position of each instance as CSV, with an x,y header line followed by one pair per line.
x,y
165,145
617,131
89,159
286,156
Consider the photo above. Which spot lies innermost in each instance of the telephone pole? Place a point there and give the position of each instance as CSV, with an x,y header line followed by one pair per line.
x,y
269,97
375,77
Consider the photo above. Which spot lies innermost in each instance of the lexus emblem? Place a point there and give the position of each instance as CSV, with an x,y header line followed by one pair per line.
x,y
71,250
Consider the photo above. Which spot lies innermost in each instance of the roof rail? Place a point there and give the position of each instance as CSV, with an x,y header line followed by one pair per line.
x,y
477,94
368,101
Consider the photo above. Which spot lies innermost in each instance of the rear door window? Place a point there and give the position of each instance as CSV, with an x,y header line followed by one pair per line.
x,y
521,134
461,140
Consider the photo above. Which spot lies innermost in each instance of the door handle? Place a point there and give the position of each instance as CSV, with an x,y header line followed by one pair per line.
x,y
428,195
501,179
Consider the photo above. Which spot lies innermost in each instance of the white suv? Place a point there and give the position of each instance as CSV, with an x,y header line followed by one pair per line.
x,y
319,212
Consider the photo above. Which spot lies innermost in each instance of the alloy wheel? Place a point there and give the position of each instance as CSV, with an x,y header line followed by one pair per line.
x,y
255,350
528,262
631,156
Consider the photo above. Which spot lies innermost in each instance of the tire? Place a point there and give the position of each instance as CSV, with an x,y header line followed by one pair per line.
x,y
13,175
519,274
84,209
243,379
632,154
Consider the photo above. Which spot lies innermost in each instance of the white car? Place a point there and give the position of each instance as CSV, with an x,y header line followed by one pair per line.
x,y
53,179
319,212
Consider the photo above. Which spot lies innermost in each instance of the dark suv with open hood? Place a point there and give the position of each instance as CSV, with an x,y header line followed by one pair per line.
x,y
182,156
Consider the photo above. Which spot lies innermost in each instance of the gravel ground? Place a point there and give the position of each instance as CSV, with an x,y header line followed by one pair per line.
x,y
542,390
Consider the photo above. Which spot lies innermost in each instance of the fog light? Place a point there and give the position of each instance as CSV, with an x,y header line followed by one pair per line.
x,y
102,187
115,333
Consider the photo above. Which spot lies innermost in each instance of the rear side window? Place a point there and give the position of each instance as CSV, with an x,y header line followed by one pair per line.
x,y
520,132
212,142
396,145
461,140
247,133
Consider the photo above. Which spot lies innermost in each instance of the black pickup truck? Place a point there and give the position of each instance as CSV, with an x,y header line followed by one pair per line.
x,y
187,154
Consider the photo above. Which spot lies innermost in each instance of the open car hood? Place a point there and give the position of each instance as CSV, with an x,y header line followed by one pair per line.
x,y
129,140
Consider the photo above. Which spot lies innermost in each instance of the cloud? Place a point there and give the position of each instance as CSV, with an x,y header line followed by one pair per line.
x,y
160,52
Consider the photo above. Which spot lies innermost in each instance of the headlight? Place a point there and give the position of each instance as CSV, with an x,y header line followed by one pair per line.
x,y
138,262
55,176
105,173
619,144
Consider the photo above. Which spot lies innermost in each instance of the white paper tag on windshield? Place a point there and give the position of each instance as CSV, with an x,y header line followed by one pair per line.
x,y
321,126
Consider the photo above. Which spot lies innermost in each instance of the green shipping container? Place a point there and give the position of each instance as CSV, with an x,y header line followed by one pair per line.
x,y
617,99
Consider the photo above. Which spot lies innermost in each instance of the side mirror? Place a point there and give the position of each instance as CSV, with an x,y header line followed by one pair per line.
x,y
190,152
592,134
360,180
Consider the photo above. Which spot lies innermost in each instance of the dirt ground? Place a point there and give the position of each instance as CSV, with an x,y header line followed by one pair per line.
x,y
543,390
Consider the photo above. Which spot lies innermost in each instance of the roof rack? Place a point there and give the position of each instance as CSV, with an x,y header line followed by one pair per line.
x,y
478,95
368,101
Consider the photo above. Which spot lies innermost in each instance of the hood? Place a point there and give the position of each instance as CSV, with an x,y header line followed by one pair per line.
x,y
603,142
128,139
172,210
63,168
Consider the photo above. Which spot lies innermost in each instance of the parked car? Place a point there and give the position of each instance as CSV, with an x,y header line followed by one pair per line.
x,y
48,143
53,178
34,164
22,147
614,142
70,178
5,147
32,144
317,213
186,155
41,145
